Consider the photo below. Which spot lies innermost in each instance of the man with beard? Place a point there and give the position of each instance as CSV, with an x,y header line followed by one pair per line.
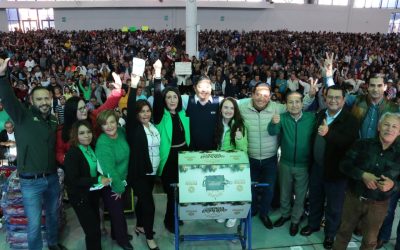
x,y
36,139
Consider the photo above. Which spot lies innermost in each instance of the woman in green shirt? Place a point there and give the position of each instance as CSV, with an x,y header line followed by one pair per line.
x,y
80,175
112,151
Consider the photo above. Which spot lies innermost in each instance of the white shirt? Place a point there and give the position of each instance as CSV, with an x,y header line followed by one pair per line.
x,y
153,142
13,149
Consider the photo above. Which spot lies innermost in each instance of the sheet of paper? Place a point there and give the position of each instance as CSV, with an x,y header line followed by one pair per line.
x,y
96,187
138,66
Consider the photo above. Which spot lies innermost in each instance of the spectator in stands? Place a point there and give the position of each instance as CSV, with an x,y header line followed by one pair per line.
x,y
7,142
36,166
59,110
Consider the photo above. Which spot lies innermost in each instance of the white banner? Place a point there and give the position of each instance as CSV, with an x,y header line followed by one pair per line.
x,y
183,68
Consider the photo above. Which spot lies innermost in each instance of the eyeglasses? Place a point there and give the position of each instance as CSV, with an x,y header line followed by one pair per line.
x,y
82,109
336,98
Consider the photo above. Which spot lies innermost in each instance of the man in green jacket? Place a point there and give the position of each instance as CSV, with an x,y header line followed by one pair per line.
x,y
36,141
295,129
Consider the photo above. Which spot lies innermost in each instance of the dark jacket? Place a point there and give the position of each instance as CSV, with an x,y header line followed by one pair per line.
x,y
77,175
362,104
367,155
343,131
35,135
3,138
139,160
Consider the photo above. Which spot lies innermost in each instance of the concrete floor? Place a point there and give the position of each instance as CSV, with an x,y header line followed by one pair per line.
x,y
278,238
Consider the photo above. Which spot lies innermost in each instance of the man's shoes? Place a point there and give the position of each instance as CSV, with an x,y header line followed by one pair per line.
x,y
307,230
380,244
328,242
294,229
127,246
281,221
57,247
266,221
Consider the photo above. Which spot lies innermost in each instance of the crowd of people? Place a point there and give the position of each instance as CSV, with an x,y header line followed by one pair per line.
x,y
329,101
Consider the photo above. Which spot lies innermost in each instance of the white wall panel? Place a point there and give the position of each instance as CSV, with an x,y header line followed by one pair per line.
x,y
283,16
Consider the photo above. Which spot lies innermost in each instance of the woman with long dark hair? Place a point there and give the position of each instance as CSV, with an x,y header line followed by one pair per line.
x,y
75,109
230,133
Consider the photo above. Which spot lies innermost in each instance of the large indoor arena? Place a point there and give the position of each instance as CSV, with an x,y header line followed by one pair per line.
x,y
199,124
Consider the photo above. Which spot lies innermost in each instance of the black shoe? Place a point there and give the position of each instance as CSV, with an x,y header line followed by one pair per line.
x,y
181,223
307,230
266,221
57,247
281,221
380,244
127,246
328,242
294,229
130,237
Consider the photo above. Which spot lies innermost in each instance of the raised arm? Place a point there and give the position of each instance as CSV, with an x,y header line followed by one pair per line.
x,y
112,99
158,107
132,121
10,102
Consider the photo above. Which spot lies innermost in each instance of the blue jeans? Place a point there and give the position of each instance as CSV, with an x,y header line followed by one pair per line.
x,y
386,229
37,193
263,171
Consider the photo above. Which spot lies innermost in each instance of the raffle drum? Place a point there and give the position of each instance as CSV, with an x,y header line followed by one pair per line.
x,y
214,185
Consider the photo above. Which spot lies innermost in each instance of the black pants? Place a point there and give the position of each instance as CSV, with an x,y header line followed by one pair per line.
x,y
87,211
145,209
119,227
169,176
